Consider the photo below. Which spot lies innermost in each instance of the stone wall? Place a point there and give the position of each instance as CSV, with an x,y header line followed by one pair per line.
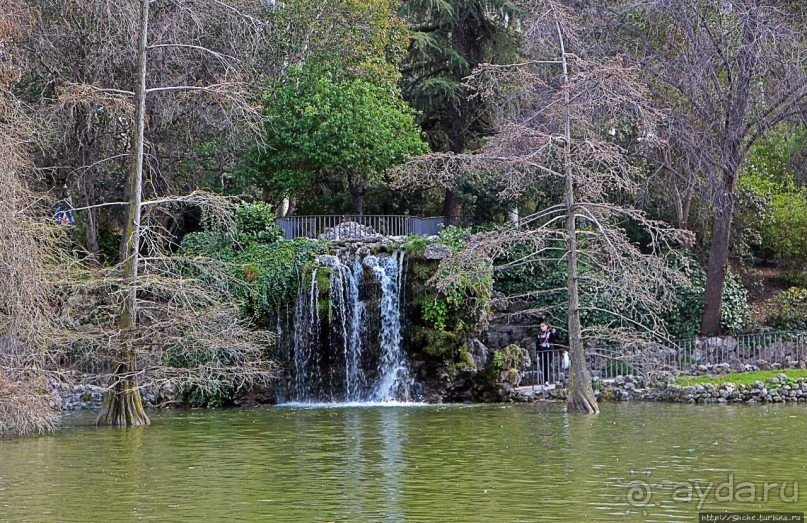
x,y
78,396
626,388
622,388
775,390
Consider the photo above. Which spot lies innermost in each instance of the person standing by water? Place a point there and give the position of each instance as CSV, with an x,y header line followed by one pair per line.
x,y
543,349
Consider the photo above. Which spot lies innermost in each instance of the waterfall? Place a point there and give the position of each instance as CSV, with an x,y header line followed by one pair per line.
x,y
347,332
306,334
393,382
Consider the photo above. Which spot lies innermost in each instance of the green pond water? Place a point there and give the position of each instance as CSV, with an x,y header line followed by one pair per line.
x,y
633,462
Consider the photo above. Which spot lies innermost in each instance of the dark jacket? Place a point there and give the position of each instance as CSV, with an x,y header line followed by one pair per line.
x,y
545,339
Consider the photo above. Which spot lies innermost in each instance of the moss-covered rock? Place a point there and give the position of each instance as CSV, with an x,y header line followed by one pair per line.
x,y
439,331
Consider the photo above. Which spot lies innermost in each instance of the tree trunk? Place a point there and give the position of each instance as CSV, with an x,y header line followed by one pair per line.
x,y
681,203
725,179
91,221
356,197
91,235
716,270
122,404
581,395
122,407
451,208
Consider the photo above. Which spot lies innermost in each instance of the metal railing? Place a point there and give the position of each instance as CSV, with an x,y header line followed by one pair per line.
x,y
734,353
346,227
545,368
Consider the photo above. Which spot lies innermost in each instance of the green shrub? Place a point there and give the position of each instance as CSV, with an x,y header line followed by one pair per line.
x,y
773,173
684,320
416,245
441,346
272,272
510,357
789,310
267,267
197,397
453,237
435,312
255,223
187,355
213,244
787,234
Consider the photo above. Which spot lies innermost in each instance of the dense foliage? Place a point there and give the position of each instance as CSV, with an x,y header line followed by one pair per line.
x,y
545,282
683,321
789,310
774,179
266,269
447,298
325,125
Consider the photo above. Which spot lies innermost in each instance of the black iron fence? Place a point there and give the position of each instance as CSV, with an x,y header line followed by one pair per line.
x,y
768,350
763,350
365,226
547,367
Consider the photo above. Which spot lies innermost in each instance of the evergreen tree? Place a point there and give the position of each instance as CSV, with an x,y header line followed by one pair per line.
x,y
447,40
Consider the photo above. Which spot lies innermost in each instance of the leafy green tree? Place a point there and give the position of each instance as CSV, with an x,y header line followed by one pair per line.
x,y
325,126
789,310
774,176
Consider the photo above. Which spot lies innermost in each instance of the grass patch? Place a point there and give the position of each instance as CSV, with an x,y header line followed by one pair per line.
x,y
740,378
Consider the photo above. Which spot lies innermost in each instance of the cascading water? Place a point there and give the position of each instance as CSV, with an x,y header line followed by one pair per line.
x,y
393,382
347,332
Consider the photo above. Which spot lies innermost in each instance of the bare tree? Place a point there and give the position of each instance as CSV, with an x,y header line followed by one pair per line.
x,y
27,261
159,319
554,109
727,72
186,332
205,62
23,410
123,404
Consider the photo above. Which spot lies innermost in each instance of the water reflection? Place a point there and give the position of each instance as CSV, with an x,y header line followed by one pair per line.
x,y
392,463
353,464
427,463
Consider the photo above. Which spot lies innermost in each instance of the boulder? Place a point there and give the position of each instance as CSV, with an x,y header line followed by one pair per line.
x,y
327,260
351,231
479,353
437,251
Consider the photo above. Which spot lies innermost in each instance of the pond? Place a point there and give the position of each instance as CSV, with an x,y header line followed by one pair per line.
x,y
530,462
